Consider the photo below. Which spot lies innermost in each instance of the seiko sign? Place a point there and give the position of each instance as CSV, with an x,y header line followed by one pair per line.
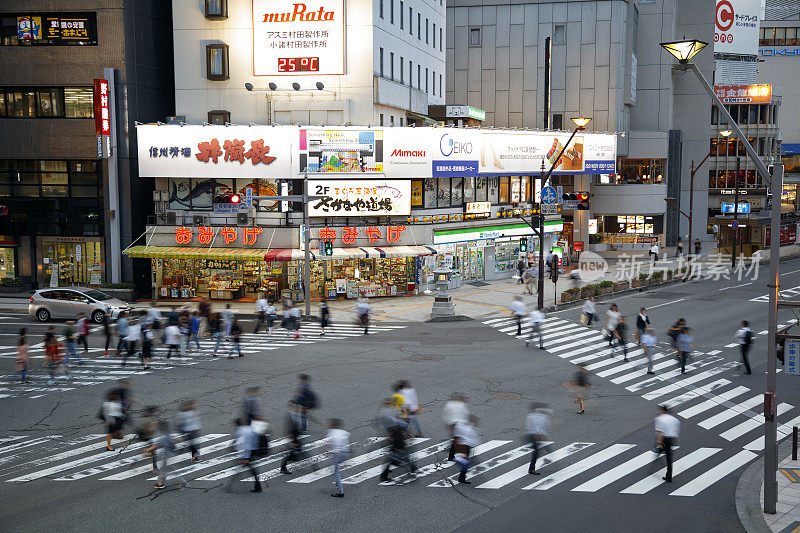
x,y
449,146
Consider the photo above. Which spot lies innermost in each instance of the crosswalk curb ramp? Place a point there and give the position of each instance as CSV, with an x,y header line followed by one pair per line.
x,y
624,468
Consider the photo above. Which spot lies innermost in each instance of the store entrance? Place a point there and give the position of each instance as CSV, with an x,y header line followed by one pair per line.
x,y
72,263
470,261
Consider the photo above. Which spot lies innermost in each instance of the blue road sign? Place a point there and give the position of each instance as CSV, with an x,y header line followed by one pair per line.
x,y
549,195
735,224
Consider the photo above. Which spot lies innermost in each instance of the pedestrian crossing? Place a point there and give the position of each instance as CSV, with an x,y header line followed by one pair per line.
x,y
95,369
784,293
703,393
623,468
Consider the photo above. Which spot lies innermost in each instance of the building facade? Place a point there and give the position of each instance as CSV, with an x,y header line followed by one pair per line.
x,y
535,64
57,187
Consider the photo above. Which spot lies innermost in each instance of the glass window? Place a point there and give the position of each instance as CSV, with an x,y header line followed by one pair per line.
x,y
504,192
714,114
457,188
5,190
780,36
50,103
3,111
791,37
417,191
443,192
83,166
180,193
493,188
216,9
219,117
83,179
734,112
53,166
480,189
54,190
54,178
753,114
217,62
78,102
22,104
28,191
474,37
83,191
469,189
559,33
430,192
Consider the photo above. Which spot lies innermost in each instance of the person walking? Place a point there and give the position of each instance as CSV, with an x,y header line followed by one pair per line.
x,y
227,320
147,431
204,310
520,311
305,399
537,428
337,443
296,317
154,317
113,418
83,335
22,356
189,425
165,448
172,336
520,270
697,247
184,327
679,248
673,332
744,336
294,426
215,329
653,252
245,442
147,346
132,340
69,341
620,334
581,385
453,412
647,341
108,331
684,345
395,428
612,319
667,429
411,405
466,436
194,331
53,357
536,321
271,314
363,310
122,331
324,316
235,336
589,311
642,323
261,312
527,278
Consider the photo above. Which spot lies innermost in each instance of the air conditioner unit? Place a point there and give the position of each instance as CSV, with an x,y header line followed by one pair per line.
x,y
172,218
242,219
198,220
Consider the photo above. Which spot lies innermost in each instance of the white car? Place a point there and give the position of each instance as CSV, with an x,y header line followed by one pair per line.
x,y
70,302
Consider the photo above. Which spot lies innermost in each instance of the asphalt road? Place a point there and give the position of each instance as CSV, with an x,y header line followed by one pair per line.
x,y
52,468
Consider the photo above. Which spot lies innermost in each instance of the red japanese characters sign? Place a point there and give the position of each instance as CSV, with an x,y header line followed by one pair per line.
x,y
349,235
224,236
102,119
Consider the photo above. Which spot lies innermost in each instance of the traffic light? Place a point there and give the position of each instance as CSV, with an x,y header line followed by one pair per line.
x,y
567,196
523,244
327,248
583,201
231,198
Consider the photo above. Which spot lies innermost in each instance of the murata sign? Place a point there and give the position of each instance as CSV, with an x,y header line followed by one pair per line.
x,y
298,38
736,26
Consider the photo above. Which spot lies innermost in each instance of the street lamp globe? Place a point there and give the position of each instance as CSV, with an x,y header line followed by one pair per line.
x,y
684,50
725,133
581,122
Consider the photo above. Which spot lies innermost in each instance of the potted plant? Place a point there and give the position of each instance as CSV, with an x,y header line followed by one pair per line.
x,y
643,281
123,291
14,285
606,287
588,290
570,295
621,286
658,277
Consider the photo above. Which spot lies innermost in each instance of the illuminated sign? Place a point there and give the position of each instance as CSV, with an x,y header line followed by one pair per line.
x,y
348,198
226,235
478,208
298,38
102,120
60,29
464,111
736,26
744,207
780,51
744,94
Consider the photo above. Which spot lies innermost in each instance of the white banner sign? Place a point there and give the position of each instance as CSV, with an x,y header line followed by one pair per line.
x,y
736,26
354,198
295,38
215,151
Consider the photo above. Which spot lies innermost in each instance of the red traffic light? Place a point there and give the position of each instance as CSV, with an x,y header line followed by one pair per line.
x,y
235,199
582,196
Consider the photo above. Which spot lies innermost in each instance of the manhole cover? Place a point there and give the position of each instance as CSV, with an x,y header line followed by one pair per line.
x,y
506,396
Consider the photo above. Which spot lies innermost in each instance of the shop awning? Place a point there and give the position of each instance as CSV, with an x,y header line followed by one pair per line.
x,y
186,252
278,254
352,253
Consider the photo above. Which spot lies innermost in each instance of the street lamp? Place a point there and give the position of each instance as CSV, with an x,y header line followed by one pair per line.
x,y
683,51
581,122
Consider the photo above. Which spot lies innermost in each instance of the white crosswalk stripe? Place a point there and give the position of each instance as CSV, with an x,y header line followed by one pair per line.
x,y
730,412
574,469
375,471
680,465
618,472
544,461
713,402
491,464
705,480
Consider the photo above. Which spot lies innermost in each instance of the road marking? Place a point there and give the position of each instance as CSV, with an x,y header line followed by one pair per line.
x,y
616,473
544,461
681,383
682,464
222,474
577,468
731,412
735,286
751,424
375,471
666,303
490,464
705,480
19,445
713,402
427,470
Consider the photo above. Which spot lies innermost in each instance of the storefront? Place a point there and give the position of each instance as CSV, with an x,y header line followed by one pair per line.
x,y
68,261
8,258
626,230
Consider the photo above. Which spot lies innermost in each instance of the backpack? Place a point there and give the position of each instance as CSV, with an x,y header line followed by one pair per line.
x,y
748,336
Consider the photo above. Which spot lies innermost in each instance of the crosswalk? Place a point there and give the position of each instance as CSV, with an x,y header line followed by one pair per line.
x,y
703,393
784,293
623,468
96,370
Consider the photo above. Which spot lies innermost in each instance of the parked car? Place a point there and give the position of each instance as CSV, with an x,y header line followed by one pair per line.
x,y
70,302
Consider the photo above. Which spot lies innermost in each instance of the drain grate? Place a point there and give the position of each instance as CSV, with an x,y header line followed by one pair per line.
x,y
506,396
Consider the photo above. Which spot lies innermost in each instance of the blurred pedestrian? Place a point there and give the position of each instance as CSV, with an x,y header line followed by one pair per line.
x,y
520,311
297,319
589,312
454,411
227,320
324,314
132,340
620,333
411,405
396,430
194,331
528,277
305,398
674,331
337,442
536,321
520,270
260,312
54,356
204,310
22,355
108,331
83,335
235,338
189,425
466,436
581,385
113,417
667,429
679,248
648,342
684,345
252,405
697,247
69,341
172,337
122,331
653,252
612,320
154,317
245,442
165,449
363,309
184,326
271,314
642,323
294,430
147,346
215,329
537,428
146,432
744,336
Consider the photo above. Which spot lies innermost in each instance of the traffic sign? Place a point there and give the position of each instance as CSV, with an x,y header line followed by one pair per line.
x,y
735,224
791,358
570,204
549,209
549,195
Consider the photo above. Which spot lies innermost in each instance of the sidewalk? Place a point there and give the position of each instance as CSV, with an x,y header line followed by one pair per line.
x,y
787,517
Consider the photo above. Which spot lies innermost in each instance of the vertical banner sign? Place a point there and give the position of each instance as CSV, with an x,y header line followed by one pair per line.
x,y
102,117
791,362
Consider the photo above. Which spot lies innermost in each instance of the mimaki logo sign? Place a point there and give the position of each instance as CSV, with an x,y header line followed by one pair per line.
x,y
298,38
407,153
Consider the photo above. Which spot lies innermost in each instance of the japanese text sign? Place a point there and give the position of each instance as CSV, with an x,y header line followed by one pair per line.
x,y
295,38
354,236
102,119
219,236
348,198
790,358
736,26
744,94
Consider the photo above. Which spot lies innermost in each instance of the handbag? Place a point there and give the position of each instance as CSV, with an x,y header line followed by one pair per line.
x,y
584,319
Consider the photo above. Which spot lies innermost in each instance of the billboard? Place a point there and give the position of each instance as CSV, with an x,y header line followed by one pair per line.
x,y
736,26
298,38
744,94
349,198
215,151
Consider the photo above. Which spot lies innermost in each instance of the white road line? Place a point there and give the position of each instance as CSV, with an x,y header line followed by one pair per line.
x,y
544,461
694,393
436,467
638,372
223,474
556,349
681,383
713,402
735,286
375,471
489,464
731,412
63,455
751,424
604,351
621,365
312,461
581,466
673,373
681,465
705,480
19,445
616,473
666,303
784,430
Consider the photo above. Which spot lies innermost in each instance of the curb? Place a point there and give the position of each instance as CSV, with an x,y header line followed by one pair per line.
x,y
748,493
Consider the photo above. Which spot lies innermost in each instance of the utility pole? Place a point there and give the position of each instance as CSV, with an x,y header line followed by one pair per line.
x,y
307,245
735,212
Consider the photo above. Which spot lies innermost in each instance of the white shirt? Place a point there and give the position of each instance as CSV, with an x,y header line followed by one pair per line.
x,y
454,411
261,305
410,396
134,333
740,334
588,307
654,249
467,434
536,317
337,441
173,334
613,319
295,312
227,316
519,308
648,339
112,410
538,422
270,309
154,313
667,425
189,420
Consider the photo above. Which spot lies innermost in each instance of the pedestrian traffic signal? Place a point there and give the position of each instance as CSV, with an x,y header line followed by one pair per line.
x,y
523,244
232,198
327,248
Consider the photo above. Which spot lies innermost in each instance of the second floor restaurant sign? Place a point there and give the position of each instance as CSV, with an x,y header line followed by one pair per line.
x,y
215,152
360,198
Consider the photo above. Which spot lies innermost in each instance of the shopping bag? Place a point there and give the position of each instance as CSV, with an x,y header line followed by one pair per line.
x,y
584,319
